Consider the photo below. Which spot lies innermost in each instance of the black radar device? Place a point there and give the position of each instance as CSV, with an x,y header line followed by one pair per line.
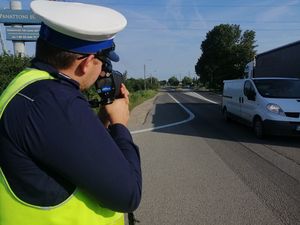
x,y
108,87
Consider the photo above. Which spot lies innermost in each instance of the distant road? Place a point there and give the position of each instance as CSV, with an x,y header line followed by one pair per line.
x,y
208,171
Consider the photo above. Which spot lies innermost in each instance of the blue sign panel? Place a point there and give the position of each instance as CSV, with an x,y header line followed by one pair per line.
x,y
22,33
9,16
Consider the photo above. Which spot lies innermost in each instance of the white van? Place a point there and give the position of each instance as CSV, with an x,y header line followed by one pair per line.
x,y
269,105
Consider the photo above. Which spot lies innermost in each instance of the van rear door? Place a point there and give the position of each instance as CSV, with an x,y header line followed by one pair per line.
x,y
231,96
248,101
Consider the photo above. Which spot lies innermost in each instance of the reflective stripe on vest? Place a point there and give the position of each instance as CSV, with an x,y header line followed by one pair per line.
x,y
78,209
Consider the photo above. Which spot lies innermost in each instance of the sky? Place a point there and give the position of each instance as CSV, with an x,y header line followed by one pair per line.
x,y
163,37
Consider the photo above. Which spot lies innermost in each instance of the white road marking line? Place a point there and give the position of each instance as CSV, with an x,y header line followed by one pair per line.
x,y
191,116
197,95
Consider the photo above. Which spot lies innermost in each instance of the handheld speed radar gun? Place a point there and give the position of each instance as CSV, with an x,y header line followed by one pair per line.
x,y
108,87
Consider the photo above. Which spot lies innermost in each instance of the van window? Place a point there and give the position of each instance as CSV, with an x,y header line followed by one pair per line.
x,y
249,91
248,88
278,88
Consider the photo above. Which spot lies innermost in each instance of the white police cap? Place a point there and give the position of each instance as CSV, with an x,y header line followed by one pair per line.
x,y
78,27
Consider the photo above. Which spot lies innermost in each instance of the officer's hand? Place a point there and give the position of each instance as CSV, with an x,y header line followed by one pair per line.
x,y
118,111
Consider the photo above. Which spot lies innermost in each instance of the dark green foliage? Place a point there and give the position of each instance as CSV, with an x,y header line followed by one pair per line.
x,y
162,82
134,84
152,83
187,81
140,84
10,66
173,81
225,52
91,93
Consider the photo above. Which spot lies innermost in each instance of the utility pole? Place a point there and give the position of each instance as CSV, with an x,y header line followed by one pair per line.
x,y
19,46
145,87
2,45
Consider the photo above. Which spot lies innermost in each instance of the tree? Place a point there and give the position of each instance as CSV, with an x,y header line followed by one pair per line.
x,y
225,52
187,81
152,83
162,82
173,81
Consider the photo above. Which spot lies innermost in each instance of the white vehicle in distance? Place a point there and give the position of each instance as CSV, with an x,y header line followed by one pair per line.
x,y
269,105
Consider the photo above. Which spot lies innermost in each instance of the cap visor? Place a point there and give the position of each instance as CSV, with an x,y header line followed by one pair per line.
x,y
113,56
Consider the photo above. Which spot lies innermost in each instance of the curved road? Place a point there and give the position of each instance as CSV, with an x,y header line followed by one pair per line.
x,y
207,171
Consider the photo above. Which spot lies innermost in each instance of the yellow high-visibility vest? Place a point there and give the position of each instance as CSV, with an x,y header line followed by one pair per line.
x,y
78,209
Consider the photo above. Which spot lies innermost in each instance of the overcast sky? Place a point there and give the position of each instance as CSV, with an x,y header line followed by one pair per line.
x,y
165,35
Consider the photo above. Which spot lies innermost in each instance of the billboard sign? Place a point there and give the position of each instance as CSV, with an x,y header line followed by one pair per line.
x,y
22,33
8,16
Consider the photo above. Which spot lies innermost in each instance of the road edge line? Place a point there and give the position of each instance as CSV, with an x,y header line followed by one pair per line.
x,y
191,117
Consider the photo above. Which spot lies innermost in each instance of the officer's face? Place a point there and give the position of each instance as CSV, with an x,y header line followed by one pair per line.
x,y
93,72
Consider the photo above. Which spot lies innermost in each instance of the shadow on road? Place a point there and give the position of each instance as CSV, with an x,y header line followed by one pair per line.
x,y
209,123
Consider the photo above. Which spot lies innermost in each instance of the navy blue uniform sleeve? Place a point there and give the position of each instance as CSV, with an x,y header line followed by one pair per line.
x,y
71,141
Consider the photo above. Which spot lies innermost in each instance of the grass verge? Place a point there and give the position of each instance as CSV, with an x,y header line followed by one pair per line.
x,y
139,97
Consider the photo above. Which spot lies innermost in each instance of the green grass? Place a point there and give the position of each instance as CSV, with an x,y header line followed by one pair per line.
x,y
139,97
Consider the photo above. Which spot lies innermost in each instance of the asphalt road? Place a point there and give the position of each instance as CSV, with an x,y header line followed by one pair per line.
x,y
208,171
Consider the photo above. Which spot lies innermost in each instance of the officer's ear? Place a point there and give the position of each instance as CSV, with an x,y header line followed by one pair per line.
x,y
86,63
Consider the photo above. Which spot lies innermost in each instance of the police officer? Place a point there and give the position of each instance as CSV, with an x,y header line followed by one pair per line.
x,y
58,163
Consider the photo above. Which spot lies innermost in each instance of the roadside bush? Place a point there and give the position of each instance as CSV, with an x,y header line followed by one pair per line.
x,y
10,66
134,84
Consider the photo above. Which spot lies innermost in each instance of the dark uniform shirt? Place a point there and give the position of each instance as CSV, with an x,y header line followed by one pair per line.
x,y
52,142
